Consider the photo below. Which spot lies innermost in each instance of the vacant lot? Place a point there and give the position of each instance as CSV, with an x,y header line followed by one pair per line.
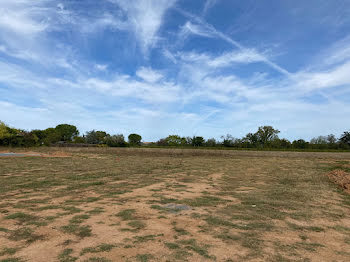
x,y
103,204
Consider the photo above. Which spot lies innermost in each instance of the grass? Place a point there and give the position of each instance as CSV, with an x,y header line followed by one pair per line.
x,y
66,256
97,259
26,234
8,251
100,248
23,218
264,205
12,259
80,231
127,214
144,257
191,244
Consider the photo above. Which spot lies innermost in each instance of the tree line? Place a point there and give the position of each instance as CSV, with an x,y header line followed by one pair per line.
x,y
264,137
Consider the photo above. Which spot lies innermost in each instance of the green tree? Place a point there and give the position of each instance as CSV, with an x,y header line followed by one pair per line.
x,y
197,141
266,134
228,140
79,140
51,136
4,131
250,140
134,139
115,141
40,134
67,132
30,139
95,137
301,144
175,140
162,142
211,142
345,138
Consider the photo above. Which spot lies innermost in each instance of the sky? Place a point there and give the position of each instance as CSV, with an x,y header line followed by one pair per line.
x,y
187,67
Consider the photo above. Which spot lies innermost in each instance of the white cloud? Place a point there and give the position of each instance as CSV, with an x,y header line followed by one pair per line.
x,y
146,17
333,77
22,17
101,67
169,55
126,87
337,53
149,75
60,6
190,28
245,56
209,4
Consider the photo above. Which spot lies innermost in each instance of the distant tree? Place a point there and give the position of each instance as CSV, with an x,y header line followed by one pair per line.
x,y
51,136
67,132
175,140
280,143
30,139
134,139
115,141
40,134
211,142
95,137
320,140
285,143
251,140
79,140
187,141
197,141
4,131
301,144
345,138
331,139
266,134
162,142
228,140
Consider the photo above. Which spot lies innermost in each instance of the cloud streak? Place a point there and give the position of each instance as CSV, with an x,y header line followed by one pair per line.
x,y
215,33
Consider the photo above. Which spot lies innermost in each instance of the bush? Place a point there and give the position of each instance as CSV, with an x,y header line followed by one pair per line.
x,y
115,141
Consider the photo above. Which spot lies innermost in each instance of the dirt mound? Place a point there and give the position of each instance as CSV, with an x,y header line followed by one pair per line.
x,y
341,178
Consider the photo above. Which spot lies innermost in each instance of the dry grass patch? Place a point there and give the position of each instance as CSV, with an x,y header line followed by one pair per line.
x,y
173,205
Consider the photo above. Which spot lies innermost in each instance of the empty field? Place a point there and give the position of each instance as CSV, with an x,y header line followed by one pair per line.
x,y
105,204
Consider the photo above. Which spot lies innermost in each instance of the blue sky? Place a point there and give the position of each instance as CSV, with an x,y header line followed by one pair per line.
x,y
187,67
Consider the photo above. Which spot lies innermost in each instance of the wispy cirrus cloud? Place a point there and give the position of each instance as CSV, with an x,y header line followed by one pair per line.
x,y
146,17
204,29
23,17
245,56
208,4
